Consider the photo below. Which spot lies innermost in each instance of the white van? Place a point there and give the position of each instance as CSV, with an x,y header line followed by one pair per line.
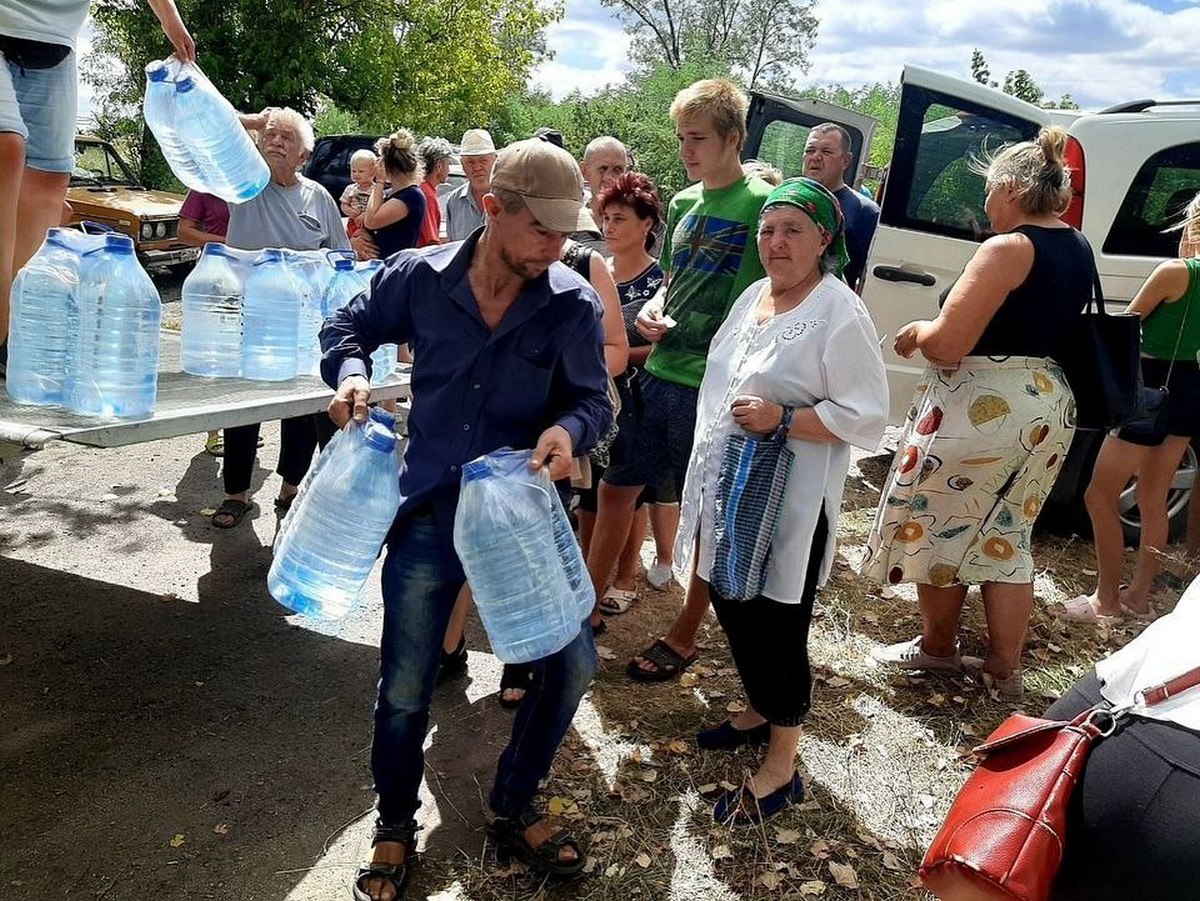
x,y
1135,166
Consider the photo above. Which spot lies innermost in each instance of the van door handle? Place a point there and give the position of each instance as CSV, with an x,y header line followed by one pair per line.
x,y
896,274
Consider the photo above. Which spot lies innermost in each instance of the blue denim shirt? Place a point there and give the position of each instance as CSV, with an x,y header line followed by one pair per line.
x,y
474,389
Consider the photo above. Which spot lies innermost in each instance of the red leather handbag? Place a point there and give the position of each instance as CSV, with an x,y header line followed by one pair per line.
x,y
1004,835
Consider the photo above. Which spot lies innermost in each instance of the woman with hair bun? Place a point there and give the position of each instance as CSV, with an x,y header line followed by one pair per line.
x,y
395,216
990,422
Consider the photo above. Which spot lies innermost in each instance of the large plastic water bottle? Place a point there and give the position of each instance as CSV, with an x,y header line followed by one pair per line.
x,y
38,337
211,343
270,320
306,267
333,534
158,107
228,162
349,280
385,357
504,534
114,320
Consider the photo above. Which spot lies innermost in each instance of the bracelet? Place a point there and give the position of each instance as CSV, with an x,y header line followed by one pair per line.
x,y
785,420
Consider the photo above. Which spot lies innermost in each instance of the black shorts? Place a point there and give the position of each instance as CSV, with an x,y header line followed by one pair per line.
x,y
769,643
1183,401
663,438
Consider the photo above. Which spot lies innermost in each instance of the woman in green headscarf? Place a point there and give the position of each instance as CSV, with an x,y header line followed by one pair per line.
x,y
797,358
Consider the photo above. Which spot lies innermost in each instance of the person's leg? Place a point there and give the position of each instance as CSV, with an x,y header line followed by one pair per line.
x,y
614,516
1154,483
557,684
39,209
664,523
587,527
1007,607
630,560
12,170
298,439
420,582
941,610
457,626
1115,465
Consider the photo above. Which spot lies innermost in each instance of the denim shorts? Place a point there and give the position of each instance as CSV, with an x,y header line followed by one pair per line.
x,y
664,436
40,105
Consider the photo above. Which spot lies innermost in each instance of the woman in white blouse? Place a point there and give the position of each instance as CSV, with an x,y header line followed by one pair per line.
x,y
797,351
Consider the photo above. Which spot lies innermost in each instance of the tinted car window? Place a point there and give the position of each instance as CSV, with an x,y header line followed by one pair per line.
x,y
783,144
1154,204
931,186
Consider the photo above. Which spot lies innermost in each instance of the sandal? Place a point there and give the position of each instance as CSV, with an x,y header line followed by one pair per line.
x,y
214,445
1081,610
508,833
395,873
230,513
454,663
617,600
667,663
515,677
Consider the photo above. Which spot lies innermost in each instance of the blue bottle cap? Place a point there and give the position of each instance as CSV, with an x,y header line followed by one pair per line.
x,y
269,255
378,437
156,72
216,249
185,84
476,469
343,265
118,244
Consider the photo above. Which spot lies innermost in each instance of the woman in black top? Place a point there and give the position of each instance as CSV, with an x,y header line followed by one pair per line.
x,y
990,423
394,217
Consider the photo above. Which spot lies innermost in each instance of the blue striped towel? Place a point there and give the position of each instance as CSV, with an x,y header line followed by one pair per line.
x,y
749,499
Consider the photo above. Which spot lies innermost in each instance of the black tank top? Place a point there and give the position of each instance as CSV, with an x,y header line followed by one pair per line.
x,y
1038,318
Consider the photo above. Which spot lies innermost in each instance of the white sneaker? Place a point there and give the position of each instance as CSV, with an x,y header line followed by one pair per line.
x,y
908,655
659,576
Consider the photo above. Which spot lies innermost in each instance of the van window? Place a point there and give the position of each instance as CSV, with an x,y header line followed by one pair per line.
x,y
783,146
1161,189
931,187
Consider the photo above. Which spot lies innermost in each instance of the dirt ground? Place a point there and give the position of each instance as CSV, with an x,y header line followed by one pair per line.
x,y
172,733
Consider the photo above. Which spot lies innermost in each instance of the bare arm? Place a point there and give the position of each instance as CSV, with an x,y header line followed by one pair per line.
x,y
1166,284
191,233
174,29
999,266
639,355
616,343
379,212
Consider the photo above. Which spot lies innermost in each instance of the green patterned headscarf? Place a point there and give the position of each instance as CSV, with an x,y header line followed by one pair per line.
x,y
819,204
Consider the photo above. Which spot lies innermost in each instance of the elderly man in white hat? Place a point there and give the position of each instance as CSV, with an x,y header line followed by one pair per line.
x,y
512,355
464,207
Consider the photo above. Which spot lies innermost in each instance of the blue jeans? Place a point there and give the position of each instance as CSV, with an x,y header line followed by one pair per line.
x,y
420,582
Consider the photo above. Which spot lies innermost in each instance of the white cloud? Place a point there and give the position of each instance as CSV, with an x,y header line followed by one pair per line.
x,y
589,52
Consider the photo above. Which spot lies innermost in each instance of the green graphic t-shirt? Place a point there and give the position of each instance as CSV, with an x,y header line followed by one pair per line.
x,y
711,254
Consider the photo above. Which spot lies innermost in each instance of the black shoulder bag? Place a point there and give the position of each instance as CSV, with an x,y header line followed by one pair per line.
x,y
1103,365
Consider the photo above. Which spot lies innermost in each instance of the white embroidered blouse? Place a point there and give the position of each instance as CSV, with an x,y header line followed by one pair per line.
x,y
823,354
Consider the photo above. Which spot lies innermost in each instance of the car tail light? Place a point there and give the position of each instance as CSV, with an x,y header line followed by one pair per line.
x,y
1074,159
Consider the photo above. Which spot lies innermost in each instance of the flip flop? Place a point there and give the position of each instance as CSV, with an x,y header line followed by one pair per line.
x,y
234,511
667,664
1080,610
617,600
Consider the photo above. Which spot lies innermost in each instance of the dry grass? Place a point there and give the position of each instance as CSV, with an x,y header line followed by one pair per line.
x,y
883,752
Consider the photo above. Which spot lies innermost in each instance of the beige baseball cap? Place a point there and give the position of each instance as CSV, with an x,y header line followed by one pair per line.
x,y
549,181
476,142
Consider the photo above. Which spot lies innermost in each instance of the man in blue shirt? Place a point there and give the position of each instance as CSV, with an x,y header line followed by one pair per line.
x,y
827,156
509,350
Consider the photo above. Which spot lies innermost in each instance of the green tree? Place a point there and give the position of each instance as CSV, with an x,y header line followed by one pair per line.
x,y
432,66
1019,83
764,41
979,69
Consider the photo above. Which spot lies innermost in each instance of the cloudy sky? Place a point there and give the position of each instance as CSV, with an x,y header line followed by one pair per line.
x,y
1099,51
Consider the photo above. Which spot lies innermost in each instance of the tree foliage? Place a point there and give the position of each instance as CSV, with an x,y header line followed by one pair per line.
x,y
1019,83
764,41
433,66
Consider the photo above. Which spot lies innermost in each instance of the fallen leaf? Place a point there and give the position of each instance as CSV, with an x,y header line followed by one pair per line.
x,y
642,860
649,775
590,866
605,653
208,511
728,786
843,874
177,841
892,862
221,829
689,680
812,888
735,707
786,836
770,881
708,788
559,806
678,746
612,871
721,852
868,839
819,849
837,682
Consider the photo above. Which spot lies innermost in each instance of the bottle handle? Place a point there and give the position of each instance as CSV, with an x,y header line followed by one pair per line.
x,y
99,227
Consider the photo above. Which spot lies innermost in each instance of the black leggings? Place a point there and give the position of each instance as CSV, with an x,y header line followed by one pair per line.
x,y
298,438
1131,832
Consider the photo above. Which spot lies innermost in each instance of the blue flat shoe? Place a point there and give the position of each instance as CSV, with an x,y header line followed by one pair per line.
x,y
726,737
740,808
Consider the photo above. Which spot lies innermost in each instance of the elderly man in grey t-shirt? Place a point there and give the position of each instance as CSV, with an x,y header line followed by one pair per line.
x,y
464,206
297,213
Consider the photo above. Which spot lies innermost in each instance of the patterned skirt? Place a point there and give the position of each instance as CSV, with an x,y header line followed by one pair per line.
x,y
981,448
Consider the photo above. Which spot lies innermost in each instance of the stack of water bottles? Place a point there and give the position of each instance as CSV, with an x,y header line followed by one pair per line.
x,y
331,537
200,134
258,314
520,556
83,327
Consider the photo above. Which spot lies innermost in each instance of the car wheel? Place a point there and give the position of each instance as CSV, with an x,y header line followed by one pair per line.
x,y
1178,498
